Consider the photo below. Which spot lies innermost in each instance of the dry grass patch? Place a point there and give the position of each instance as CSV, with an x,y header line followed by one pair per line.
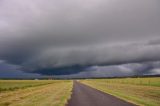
x,y
55,94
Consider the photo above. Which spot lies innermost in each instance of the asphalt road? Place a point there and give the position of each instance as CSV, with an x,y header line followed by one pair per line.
x,y
83,95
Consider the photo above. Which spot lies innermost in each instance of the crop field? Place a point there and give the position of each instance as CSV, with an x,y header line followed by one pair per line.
x,y
34,92
141,91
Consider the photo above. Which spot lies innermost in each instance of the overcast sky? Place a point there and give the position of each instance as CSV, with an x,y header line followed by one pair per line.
x,y
79,38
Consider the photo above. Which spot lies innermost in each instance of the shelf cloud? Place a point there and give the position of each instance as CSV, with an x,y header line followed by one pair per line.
x,y
80,37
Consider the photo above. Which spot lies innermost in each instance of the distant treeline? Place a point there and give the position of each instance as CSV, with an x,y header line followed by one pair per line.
x,y
53,78
136,76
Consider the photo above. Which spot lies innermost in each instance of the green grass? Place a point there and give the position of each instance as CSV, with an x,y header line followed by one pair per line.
x,y
141,91
10,85
35,93
136,81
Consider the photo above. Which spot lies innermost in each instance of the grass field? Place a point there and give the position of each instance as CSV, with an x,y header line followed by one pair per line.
x,y
34,93
10,85
141,91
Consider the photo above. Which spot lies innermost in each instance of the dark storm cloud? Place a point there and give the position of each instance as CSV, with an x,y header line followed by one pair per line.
x,y
103,55
12,71
130,69
43,34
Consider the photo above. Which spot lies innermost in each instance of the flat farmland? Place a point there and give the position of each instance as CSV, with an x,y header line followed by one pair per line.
x,y
140,91
121,91
34,92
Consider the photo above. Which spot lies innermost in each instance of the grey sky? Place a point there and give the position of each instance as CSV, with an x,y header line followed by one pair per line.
x,y
49,33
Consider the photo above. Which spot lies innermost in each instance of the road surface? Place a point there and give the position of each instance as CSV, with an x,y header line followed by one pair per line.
x,y
84,95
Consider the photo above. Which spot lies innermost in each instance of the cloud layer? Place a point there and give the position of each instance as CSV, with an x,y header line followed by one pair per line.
x,y
51,37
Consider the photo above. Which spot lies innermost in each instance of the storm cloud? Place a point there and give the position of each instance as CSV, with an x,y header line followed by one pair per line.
x,y
51,37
